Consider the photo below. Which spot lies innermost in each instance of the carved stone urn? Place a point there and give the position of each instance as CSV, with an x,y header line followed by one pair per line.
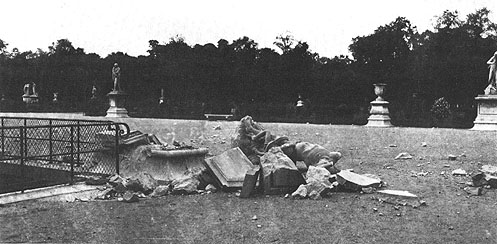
x,y
379,90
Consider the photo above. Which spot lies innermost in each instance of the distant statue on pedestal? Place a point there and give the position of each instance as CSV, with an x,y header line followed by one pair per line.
x,y
93,92
30,89
117,98
486,118
30,95
116,76
492,66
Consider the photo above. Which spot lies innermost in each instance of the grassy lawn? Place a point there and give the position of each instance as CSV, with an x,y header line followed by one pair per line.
x,y
450,216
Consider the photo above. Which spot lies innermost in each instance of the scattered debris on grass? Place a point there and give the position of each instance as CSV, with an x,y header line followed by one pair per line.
x,y
452,157
355,182
473,191
489,169
459,172
404,155
397,193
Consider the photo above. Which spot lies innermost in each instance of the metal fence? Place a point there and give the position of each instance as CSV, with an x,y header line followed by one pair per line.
x,y
38,152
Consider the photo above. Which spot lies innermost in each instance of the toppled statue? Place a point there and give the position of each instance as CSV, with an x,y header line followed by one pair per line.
x,y
254,141
492,66
312,155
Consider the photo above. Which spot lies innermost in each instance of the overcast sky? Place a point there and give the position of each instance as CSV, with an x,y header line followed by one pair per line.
x,y
102,27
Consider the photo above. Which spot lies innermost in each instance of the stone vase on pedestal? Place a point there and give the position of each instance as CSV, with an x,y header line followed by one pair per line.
x,y
379,114
117,100
486,118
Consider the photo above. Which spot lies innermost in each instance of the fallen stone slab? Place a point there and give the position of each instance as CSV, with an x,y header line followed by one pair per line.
x,y
229,168
279,174
397,193
491,180
479,179
489,169
403,155
355,182
250,181
460,172
473,191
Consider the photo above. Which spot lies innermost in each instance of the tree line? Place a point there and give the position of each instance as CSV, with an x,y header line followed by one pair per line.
x,y
419,68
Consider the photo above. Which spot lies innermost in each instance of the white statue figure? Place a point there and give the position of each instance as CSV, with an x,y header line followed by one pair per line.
x,y
492,66
116,76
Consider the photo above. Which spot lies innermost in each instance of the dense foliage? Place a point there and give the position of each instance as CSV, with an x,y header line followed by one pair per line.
x,y
419,68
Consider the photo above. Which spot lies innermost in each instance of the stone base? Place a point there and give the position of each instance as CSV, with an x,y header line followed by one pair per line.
x,y
377,121
486,118
116,101
380,116
115,112
30,99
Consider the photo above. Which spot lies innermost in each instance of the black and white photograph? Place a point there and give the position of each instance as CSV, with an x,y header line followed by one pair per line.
x,y
343,122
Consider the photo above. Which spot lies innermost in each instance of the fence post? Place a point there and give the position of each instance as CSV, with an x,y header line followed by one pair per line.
x,y
117,148
3,139
72,154
21,154
50,141
78,139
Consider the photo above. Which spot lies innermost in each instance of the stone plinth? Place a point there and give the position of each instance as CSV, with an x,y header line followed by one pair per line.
x,y
29,98
379,114
117,100
486,118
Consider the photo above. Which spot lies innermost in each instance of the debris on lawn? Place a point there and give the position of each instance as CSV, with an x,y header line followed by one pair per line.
x,y
399,202
318,184
257,162
229,168
459,172
416,174
186,185
355,182
473,191
250,181
210,188
160,191
404,155
452,157
397,193
489,169
280,174
486,177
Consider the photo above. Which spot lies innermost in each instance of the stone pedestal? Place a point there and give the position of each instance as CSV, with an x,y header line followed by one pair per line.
x,y
486,118
28,99
117,100
379,114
